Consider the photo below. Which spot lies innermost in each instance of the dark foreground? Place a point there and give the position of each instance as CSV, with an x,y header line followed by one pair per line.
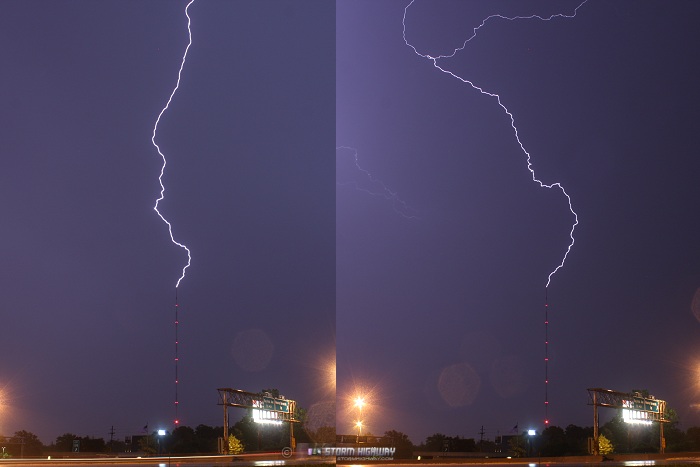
x,y
248,460
632,460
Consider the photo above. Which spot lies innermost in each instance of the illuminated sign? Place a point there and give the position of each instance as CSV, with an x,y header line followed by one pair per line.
x,y
266,416
640,403
636,416
271,403
639,410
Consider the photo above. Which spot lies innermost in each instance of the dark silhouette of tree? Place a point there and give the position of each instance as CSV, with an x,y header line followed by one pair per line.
x,y
577,440
437,442
676,439
32,445
208,438
460,444
403,445
183,440
517,446
148,444
552,442
693,438
616,430
64,443
89,444
274,392
246,430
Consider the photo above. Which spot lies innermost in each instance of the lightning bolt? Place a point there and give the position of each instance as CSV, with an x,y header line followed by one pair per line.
x,y
435,60
153,140
556,185
368,183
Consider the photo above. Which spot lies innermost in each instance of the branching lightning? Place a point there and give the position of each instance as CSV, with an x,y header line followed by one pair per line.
x,y
153,140
368,183
435,59
557,185
162,196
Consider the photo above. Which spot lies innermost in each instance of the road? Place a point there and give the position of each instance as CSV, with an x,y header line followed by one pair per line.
x,y
274,460
246,460
680,461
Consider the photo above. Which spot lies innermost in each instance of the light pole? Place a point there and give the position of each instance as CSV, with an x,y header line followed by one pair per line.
x,y
161,433
530,434
358,425
359,403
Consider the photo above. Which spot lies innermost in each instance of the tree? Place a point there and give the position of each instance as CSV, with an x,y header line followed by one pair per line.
x,y
247,431
148,444
693,438
517,446
553,441
234,445
577,439
605,447
676,439
460,444
89,444
183,440
32,444
437,442
274,392
207,437
64,443
616,430
403,445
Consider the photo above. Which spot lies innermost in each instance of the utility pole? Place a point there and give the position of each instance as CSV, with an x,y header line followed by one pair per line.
x,y
481,439
224,403
111,438
596,441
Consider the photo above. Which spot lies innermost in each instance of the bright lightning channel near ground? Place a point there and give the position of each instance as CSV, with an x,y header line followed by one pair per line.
x,y
153,140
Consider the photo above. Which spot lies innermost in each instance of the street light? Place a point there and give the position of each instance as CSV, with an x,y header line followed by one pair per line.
x,y
359,402
530,434
358,425
360,405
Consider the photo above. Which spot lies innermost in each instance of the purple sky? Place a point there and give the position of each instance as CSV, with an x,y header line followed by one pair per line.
x,y
89,271
441,317
421,265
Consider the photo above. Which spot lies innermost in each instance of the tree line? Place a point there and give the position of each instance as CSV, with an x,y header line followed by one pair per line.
x,y
620,437
553,441
202,439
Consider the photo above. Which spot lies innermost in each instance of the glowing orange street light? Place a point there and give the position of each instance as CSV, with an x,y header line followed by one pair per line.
x,y
358,425
359,403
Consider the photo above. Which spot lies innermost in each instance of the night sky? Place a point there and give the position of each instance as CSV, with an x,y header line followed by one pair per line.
x,y
88,269
444,242
343,198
